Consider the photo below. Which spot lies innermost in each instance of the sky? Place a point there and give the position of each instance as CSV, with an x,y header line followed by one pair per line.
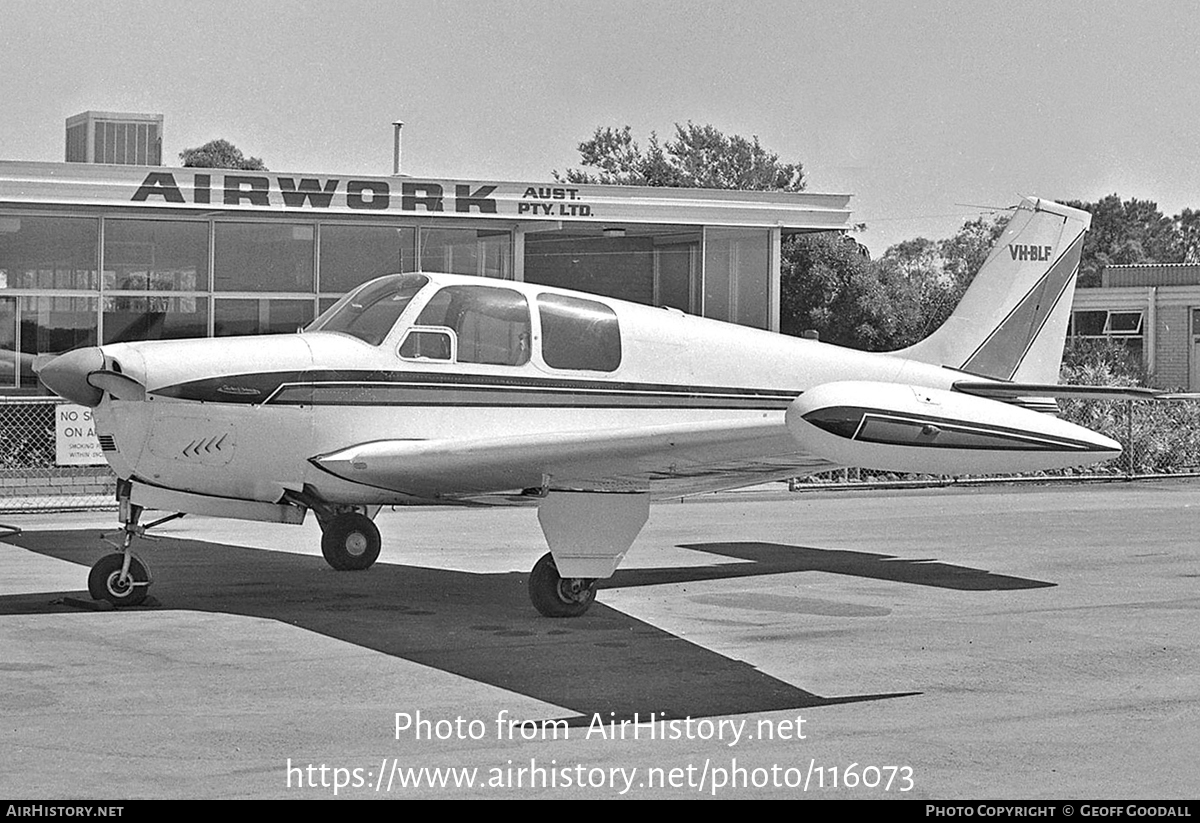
x,y
930,113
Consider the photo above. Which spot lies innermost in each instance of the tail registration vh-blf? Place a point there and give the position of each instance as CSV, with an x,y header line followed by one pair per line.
x,y
432,389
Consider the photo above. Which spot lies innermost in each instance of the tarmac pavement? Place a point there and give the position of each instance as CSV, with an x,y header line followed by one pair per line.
x,y
996,642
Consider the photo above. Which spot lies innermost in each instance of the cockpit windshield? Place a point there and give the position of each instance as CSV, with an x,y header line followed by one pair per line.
x,y
370,312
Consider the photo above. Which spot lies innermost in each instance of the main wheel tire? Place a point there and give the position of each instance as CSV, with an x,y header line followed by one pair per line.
x,y
351,542
557,596
104,580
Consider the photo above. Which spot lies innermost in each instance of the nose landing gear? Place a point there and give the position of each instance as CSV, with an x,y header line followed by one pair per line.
x,y
122,578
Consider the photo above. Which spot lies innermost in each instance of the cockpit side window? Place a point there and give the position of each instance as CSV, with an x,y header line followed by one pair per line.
x,y
579,334
490,325
370,312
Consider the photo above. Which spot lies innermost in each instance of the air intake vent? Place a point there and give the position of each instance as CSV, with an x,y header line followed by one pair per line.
x,y
107,443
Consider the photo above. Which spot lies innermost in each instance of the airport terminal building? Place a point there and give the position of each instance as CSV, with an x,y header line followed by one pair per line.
x,y
93,253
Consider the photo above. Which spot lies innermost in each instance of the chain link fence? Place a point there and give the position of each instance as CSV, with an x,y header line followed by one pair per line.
x,y
31,479
1160,439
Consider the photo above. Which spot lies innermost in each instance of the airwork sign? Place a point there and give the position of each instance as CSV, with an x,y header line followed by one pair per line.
x,y
75,442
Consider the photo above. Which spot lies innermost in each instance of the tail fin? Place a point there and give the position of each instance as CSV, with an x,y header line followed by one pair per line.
x,y
1012,322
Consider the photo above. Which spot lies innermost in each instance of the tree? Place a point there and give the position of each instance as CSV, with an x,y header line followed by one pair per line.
x,y
220,154
698,157
829,285
1130,231
1187,223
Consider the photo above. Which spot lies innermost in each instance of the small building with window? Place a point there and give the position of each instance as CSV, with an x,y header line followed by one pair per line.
x,y
1153,310
103,253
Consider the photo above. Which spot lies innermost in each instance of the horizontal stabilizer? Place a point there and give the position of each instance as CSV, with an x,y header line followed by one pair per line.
x,y
895,427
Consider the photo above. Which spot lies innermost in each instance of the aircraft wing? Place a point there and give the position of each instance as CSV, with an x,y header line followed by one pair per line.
x,y
665,460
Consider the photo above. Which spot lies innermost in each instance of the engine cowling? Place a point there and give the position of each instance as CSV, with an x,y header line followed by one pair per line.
x,y
902,428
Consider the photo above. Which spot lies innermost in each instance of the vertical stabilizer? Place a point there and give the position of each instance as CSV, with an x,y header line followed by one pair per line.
x,y
1012,322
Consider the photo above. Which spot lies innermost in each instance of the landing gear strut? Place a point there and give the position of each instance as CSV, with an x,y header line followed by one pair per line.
x,y
556,596
350,540
122,578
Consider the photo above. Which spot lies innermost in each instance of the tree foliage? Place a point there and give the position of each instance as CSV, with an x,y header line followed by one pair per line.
x,y
832,287
697,157
1129,231
828,285
220,154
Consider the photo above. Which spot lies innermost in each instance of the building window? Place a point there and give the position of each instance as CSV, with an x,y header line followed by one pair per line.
x,y
154,317
48,252
1123,327
263,257
736,276
235,316
52,325
467,251
352,255
621,267
1124,323
155,255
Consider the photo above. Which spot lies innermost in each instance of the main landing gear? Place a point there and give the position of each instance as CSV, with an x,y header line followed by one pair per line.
x,y
350,541
557,596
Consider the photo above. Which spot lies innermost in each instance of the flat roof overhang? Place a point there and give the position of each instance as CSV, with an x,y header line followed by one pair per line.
x,y
232,192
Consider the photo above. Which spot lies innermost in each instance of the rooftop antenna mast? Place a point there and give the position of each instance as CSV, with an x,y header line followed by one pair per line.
x,y
397,125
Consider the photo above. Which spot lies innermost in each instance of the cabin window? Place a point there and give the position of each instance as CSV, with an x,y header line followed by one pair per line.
x,y
428,344
371,312
579,334
490,325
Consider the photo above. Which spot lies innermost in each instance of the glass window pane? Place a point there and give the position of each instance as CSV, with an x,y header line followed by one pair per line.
x,y
352,255
1088,323
1124,322
285,316
263,257
426,345
736,280
676,275
467,251
492,325
620,267
578,334
154,318
48,252
370,312
237,317
12,363
155,255
53,325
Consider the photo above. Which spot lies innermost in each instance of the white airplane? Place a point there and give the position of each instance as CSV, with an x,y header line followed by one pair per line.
x,y
435,389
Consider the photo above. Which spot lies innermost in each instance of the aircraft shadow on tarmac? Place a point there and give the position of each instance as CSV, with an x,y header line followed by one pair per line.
x,y
482,626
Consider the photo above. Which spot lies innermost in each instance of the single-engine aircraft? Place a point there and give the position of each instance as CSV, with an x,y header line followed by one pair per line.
x,y
437,389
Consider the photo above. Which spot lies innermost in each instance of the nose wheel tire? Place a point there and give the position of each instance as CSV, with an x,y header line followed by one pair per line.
x,y
105,581
557,596
351,542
